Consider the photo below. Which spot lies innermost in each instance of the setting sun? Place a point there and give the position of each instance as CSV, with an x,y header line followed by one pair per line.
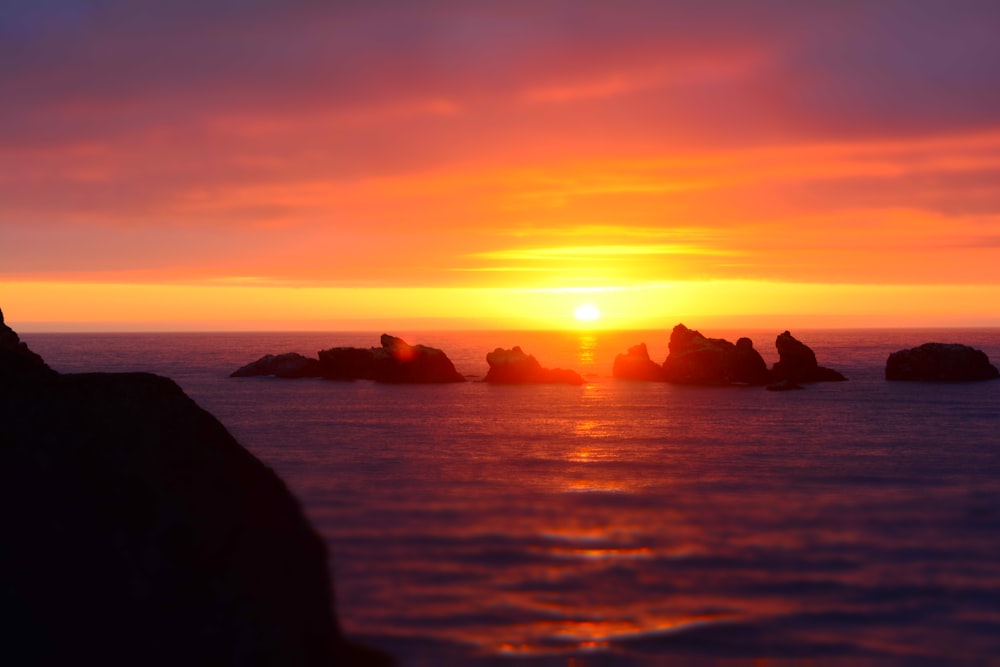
x,y
587,313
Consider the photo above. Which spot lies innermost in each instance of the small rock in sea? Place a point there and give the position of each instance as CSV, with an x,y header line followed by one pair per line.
x,y
940,362
797,363
288,365
515,367
636,365
695,359
396,361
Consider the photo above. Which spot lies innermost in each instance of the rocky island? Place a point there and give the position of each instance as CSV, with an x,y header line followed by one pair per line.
x,y
394,362
698,360
137,531
940,362
514,366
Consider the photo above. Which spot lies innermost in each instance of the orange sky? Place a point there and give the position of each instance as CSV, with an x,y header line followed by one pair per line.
x,y
353,165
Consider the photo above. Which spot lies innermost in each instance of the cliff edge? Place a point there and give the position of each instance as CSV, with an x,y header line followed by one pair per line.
x,y
136,530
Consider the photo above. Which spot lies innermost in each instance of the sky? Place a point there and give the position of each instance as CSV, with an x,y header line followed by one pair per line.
x,y
270,164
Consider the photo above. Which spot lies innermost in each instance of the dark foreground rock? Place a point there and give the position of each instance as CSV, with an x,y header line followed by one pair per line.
x,y
137,531
940,362
797,363
636,365
288,365
515,367
695,359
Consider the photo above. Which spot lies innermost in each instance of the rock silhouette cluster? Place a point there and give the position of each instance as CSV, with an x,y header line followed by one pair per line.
x,y
395,362
695,359
940,362
137,531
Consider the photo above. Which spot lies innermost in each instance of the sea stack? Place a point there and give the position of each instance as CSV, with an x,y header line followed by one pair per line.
x,y
695,359
636,365
797,363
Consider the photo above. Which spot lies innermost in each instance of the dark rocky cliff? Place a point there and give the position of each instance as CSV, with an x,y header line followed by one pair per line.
x,y
137,531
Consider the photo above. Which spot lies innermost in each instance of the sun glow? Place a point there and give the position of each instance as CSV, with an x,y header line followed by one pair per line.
x,y
587,312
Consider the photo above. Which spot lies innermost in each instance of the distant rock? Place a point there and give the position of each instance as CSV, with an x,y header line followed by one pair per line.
x,y
347,363
137,531
797,363
695,359
515,367
940,362
395,362
636,365
289,365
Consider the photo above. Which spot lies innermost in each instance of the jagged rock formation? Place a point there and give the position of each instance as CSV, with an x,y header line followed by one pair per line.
x,y
137,531
288,365
797,363
515,367
636,365
940,362
695,359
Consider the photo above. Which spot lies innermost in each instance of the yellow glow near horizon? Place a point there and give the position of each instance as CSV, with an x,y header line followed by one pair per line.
x,y
51,306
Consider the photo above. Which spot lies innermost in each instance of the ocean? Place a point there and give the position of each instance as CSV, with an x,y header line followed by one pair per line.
x,y
623,523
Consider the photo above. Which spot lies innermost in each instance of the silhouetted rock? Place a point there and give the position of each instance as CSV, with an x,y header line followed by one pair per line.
x,y
636,365
289,365
347,363
515,367
695,359
398,362
797,363
137,531
17,362
395,362
940,362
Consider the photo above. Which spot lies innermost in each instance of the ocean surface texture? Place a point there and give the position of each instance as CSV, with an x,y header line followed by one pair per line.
x,y
624,523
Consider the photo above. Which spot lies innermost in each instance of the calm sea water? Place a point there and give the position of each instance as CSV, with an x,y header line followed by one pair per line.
x,y
624,523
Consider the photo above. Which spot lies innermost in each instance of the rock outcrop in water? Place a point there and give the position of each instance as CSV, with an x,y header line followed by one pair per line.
x,y
940,362
137,531
695,359
797,363
514,366
636,365
288,365
396,362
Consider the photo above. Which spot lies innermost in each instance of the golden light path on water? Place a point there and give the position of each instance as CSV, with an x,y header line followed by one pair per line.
x,y
596,546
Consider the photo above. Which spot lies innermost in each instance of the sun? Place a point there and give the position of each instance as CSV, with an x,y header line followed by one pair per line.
x,y
587,312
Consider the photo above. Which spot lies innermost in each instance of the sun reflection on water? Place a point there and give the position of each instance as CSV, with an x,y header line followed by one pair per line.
x,y
586,351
